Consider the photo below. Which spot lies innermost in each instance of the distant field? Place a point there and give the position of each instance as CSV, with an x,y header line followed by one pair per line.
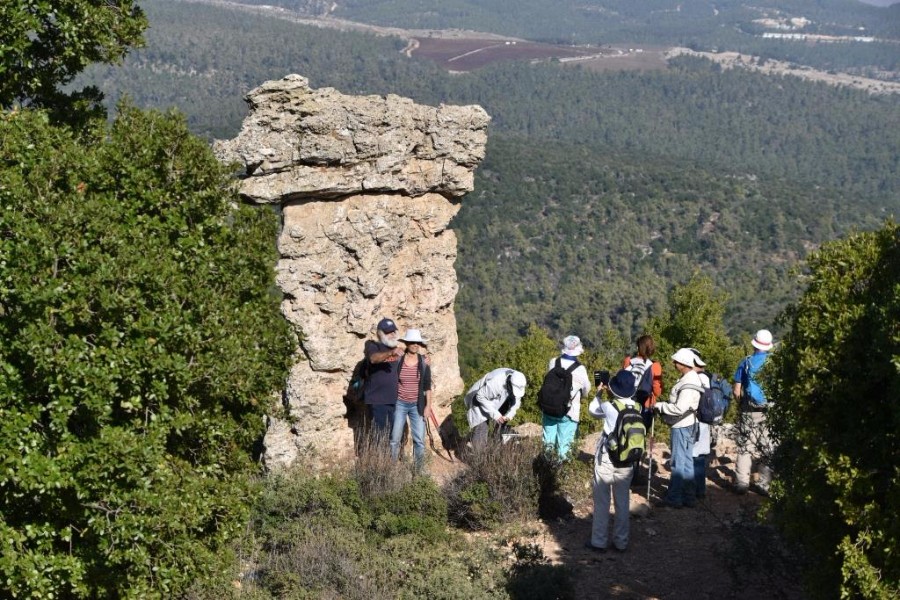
x,y
470,54
467,54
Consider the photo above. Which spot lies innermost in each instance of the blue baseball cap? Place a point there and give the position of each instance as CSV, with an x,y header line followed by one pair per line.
x,y
387,326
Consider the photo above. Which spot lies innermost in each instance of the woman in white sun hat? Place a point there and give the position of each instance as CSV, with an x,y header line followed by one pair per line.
x,y
413,396
753,433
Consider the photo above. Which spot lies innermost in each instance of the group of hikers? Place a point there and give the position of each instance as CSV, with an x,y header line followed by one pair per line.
x,y
397,389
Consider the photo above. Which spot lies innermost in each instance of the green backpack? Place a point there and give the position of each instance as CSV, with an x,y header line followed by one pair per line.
x,y
628,438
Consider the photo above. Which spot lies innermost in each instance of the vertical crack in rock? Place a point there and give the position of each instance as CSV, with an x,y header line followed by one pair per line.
x,y
367,186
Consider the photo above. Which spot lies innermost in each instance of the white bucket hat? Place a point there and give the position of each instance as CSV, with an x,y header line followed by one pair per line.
x,y
413,336
763,340
685,357
571,346
698,362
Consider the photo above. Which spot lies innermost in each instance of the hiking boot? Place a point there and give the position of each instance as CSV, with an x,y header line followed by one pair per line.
x,y
589,546
667,504
762,491
740,490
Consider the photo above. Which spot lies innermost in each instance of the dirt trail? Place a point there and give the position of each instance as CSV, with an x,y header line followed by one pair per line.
x,y
715,550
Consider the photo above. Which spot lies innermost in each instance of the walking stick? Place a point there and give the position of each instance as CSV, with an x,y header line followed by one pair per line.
x,y
650,465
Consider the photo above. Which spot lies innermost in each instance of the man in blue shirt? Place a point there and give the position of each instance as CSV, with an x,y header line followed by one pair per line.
x,y
753,434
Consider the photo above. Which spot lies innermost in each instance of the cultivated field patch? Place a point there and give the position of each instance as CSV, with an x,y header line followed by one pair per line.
x,y
470,54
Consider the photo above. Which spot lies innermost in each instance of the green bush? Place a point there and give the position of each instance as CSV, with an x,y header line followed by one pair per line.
x,y
140,342
316,536
533,577
418,508
499,486
835,381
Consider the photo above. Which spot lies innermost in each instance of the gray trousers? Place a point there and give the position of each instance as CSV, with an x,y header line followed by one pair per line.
x,y
753,444
617,481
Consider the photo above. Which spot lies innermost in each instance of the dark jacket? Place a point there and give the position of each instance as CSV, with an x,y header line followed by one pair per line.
x,y
381,380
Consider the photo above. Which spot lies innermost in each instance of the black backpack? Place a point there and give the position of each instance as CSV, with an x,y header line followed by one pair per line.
x,y
354,397
555,394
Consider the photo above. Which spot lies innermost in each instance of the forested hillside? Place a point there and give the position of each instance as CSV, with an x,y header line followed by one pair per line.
x,y
599,191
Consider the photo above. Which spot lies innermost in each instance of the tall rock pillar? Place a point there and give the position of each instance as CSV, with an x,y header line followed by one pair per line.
x,y
367,187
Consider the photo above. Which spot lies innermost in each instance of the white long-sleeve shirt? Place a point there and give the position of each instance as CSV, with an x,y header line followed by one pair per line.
x,y
487,395
581,386
684,399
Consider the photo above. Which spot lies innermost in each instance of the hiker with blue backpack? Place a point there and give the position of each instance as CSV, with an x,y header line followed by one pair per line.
x,y
679,414
620,446
559,398
753,434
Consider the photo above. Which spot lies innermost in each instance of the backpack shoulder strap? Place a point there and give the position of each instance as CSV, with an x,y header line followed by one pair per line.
x,y
691,386
572,367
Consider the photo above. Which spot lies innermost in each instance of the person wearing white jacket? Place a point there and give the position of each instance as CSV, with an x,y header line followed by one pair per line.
x,y
678,413
559,432
607,477
497,397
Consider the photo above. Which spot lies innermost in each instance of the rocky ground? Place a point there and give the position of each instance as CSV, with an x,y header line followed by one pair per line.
x,y
718,549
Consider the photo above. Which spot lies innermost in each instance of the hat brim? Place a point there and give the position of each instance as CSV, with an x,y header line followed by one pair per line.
x,y
420,342
760,345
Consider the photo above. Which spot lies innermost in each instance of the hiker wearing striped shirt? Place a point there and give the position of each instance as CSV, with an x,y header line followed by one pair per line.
x,y
413,396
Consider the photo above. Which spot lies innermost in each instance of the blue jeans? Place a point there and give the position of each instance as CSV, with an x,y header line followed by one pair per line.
x,y
681,488
559,433
416,428
700,475
382,419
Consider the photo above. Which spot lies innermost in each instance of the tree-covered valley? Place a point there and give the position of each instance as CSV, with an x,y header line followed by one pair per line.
x,y
599,191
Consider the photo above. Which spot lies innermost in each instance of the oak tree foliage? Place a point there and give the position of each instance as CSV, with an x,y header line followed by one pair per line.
x,y
141,341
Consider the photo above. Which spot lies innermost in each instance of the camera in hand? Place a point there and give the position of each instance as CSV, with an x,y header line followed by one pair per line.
x,y
601,377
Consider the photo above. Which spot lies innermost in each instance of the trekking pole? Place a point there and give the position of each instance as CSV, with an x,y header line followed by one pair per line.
x,y
650,464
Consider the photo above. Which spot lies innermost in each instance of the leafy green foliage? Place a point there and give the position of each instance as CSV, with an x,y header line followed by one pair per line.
x,y
695,319
835,381
141,342
532,576
324,536
44,45
500,485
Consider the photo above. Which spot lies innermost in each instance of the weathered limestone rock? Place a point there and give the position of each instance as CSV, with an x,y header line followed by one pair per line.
x,y
305,143
366,186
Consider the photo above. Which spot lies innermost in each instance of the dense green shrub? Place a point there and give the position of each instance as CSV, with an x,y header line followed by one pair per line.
x,y
499,486
532,576
836,381
418,508
141,341
318,536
